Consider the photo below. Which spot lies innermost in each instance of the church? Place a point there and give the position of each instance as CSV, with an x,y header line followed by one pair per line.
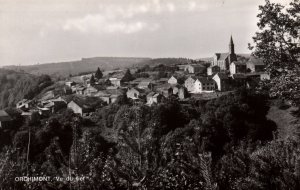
x,y
223,60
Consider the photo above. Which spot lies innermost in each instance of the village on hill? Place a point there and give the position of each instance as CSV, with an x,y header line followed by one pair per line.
x,y
150,84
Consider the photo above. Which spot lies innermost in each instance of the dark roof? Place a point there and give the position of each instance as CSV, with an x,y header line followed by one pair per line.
x,y
4,116
150,94
238,76
255,61
239,63
164,86
205,80
81,104
197,65
212,66
222,56
192,77
222,75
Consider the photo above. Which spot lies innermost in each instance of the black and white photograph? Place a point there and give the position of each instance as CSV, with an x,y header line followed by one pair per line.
x,y
149,94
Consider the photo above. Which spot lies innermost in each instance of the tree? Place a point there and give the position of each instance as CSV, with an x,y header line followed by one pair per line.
x,y
127,77
98,74
92,80
161,74
277,44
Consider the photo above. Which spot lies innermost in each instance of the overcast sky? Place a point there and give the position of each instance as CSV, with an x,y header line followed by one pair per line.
x,y
39,31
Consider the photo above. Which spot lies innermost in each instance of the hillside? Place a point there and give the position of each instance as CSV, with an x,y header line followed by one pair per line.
x,y
288,124
79,66
14,86
64,69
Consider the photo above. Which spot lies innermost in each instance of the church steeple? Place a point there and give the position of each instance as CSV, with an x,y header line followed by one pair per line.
x,y
231,46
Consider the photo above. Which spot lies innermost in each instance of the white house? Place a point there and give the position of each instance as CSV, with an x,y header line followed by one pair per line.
x,y
237,67
221,79
204,85
172,81
213,70
189,84
115,81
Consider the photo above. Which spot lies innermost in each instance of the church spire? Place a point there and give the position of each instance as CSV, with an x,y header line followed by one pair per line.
x,y
231,46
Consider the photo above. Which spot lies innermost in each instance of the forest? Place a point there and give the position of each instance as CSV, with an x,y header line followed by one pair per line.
x,y
225,143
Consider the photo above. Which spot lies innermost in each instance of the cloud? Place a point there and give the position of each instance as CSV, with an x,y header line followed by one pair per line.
x,y
100,23
130,17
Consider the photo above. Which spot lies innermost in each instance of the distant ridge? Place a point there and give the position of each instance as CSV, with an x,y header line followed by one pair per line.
x,y
66,68
78,66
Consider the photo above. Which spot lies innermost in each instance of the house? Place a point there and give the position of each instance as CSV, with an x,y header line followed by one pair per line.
x,y
24,104
109,95
55,105
27,114
164,89
104,97
153,97
258,76
221,80
237,67
145,84
80,90
172,80
114,97
182,93
68,90
70,83
5,119
213,70
42,111
149,98
181,67
264,76
80,108
195,68
223,60
115,81
90,91
161,81
133,93
173,90
189,83
255,65
204,85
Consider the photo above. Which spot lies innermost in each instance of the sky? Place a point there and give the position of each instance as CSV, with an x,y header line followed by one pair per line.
x,y
43,31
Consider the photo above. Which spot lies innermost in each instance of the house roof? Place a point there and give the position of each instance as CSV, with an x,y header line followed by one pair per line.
x,y
24,101
172,77
205,80
150,94
238,63
255,61
222,75
4,116
238,76
82,104
162,80
156,95
197,65
212,66
145,83
163,86
221,56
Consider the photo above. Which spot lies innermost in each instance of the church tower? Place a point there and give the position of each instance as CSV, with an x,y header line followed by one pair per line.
x,y
231,46
232,56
